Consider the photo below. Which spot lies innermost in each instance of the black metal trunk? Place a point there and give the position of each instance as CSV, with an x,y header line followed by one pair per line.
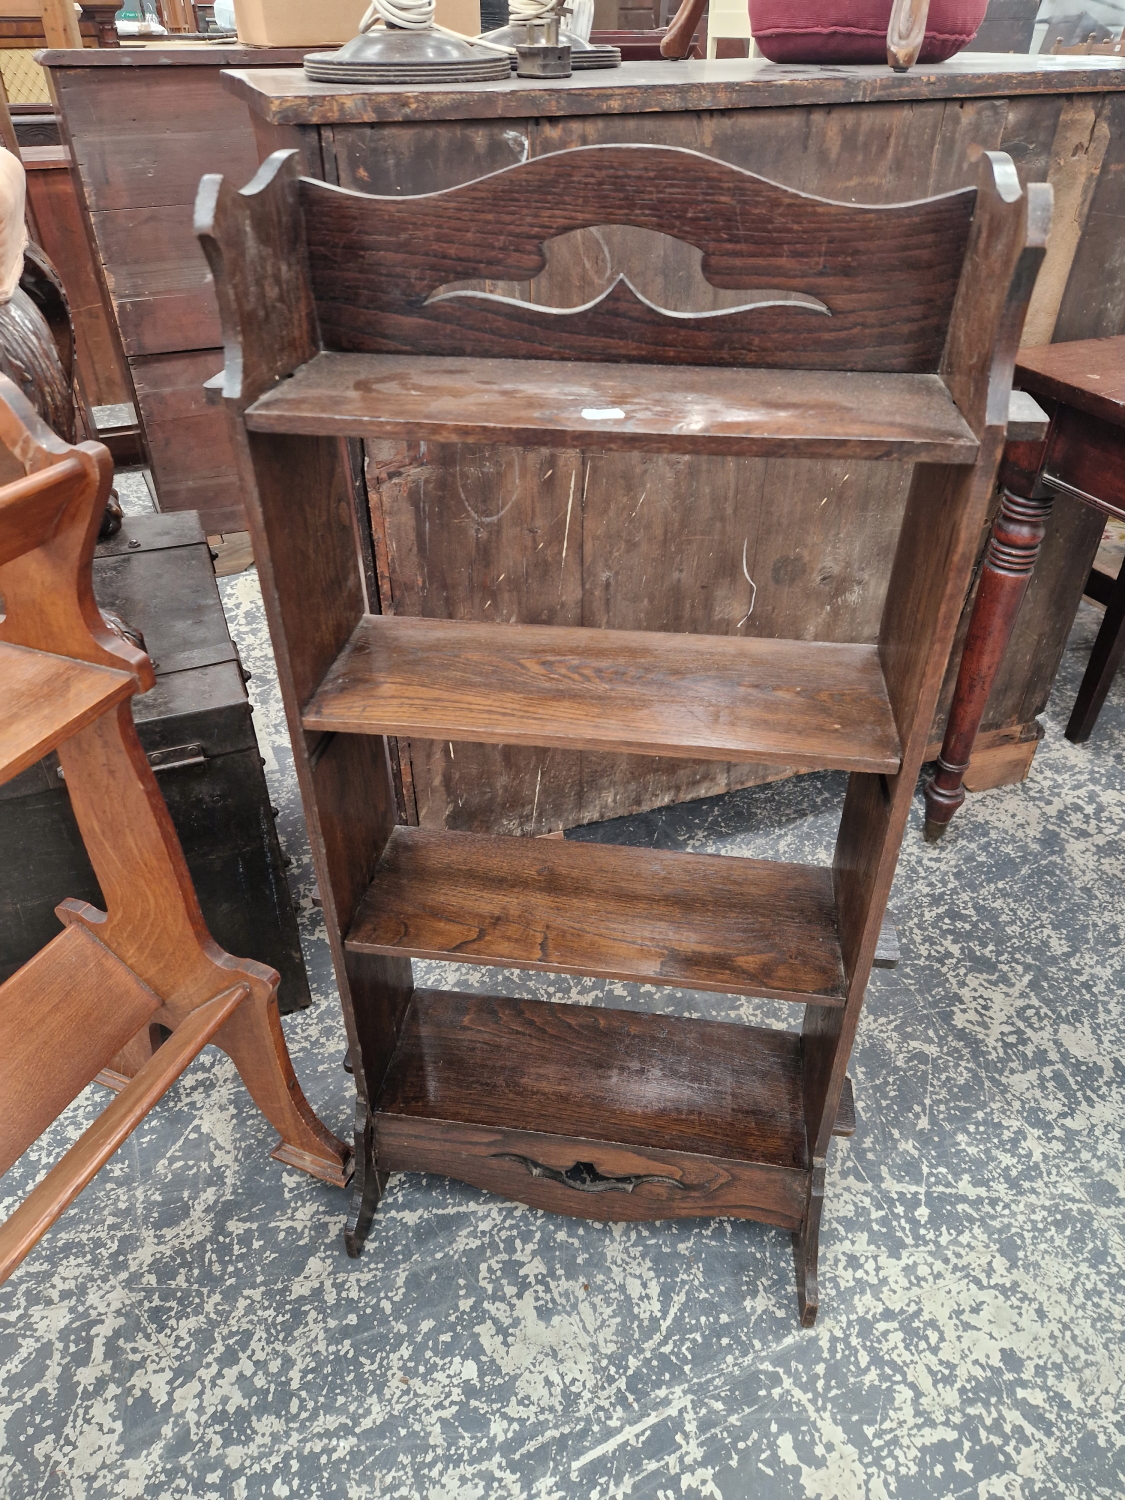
x,y
196,728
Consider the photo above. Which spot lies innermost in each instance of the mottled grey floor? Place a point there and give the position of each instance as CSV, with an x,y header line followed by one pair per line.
x,y
193,1328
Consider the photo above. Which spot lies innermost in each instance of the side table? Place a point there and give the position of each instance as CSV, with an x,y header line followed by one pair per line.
x,y
1082,386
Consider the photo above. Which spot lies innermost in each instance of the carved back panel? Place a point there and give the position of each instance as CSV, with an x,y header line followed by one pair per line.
x,y
763,275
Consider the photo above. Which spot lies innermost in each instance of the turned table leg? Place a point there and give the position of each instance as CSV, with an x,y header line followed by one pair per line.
x,y
1008,562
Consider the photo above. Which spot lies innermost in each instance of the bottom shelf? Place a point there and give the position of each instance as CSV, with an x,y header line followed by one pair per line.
x,y
605,1114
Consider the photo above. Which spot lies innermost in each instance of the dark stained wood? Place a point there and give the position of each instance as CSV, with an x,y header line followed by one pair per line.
x,y
734,925
300,498
929,580
62,1017
191,453
141,129
814,576
1009,558
1105,661
743,927
702,1088
514,1094
1088,374
746,413
811,703
201,55
1084,459
61,232
286,97
880,298
1005,252
532,1168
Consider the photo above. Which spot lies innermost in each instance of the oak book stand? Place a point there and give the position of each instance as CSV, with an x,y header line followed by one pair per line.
x,y
857,332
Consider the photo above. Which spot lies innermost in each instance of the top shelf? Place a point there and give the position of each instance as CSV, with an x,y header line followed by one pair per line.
x,y
651,408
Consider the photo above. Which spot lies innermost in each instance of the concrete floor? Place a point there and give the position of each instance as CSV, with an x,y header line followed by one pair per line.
x,y
193,1328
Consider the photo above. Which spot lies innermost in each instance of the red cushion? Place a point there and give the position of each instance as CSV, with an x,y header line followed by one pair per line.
x,y
855,31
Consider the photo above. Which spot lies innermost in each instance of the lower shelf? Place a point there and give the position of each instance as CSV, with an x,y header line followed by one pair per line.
x,y
604,1114
739,926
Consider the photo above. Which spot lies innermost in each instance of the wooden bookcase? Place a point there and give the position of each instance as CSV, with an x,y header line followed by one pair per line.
x,y
881,333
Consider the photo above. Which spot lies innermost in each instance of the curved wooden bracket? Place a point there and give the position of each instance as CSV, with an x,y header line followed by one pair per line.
x,y
676,41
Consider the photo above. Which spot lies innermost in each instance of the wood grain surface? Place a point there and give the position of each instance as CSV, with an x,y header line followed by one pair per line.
x,y
1084,460
46,699
705,1087
799,703
62,1017
740,926
880,280
652,1116
744,413
93,1148
1088,374
286,97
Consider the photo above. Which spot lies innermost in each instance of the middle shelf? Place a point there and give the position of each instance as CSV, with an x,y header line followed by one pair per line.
x,y
699,921
807,704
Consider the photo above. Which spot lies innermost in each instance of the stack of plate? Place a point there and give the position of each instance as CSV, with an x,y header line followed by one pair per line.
x,y
582,54
388,55
589,55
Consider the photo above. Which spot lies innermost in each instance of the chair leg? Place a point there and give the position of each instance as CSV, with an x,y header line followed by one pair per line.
x,y
154,925
1008,562
1106,657
255,1043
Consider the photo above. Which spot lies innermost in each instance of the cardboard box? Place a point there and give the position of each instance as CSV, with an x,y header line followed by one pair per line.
x,y
297,23
329,23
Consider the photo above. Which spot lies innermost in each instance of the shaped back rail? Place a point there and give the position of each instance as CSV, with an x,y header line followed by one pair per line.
x,y
822,285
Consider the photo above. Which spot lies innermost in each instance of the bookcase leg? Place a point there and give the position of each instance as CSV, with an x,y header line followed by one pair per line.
x,y
367,1183
806,1248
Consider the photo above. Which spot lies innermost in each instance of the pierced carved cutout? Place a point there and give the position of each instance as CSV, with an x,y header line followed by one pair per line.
x,y
584,1177
584,266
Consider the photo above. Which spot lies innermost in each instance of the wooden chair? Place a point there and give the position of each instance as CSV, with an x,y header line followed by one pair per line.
x,y
109,986
882,333
1091,47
